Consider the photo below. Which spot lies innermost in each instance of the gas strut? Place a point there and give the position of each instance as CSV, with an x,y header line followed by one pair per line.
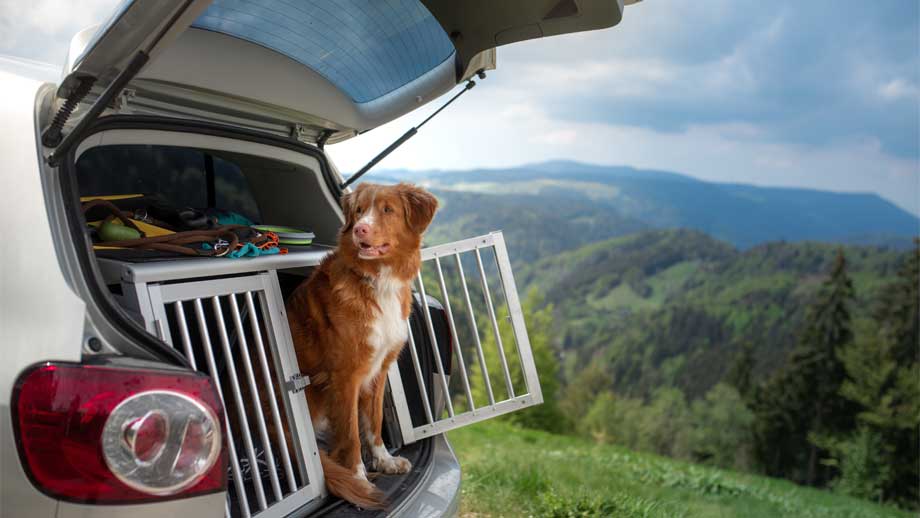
x,y
409,134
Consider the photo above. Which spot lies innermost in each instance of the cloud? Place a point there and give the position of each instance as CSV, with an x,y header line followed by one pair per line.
x,y
474,134
898,89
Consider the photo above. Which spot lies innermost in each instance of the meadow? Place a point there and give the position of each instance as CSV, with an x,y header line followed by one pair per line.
x,y
510,471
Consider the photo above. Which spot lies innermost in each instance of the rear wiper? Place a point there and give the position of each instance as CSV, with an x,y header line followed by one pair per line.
x,y
409,134
52,136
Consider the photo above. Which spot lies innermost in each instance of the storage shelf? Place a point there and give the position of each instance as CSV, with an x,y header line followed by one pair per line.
x,y
188,268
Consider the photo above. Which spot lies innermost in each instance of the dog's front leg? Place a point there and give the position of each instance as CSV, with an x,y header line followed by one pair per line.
x,y
371,407
343,418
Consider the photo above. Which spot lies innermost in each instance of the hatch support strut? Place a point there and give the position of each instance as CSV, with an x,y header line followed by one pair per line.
x,y
52,135
409,134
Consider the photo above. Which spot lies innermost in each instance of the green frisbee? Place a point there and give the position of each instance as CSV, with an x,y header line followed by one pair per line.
x,y
288,235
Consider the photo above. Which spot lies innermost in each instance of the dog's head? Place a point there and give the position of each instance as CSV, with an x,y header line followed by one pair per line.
x,y
385,222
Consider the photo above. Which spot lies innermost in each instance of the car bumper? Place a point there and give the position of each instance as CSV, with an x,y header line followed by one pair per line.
x,y
438,494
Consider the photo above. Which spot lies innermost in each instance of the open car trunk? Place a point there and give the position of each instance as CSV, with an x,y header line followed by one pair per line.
x,y
208,106
468,357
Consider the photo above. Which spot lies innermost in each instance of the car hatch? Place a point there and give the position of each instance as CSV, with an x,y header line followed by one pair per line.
x,y
317,70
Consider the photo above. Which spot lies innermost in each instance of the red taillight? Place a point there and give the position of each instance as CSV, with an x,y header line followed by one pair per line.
x,y
98,434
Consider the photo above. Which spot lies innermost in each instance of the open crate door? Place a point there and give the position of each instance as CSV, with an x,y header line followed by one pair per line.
x,y
488,368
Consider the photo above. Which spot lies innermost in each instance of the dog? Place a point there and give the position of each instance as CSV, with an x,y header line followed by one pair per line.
x,y
348,323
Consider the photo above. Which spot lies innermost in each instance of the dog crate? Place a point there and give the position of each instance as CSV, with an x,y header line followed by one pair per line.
x,y
519,385
227,317
229,322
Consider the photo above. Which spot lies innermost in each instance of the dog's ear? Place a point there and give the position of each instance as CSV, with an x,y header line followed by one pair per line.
x,y
348,201
420,206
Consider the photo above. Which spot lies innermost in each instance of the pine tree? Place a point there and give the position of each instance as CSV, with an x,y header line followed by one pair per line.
x,y
803,400
882,373
740,372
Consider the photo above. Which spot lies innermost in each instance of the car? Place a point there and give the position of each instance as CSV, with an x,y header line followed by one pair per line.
x,y
127,372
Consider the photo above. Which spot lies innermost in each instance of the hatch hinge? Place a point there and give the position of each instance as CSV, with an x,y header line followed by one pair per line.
x,y
122,101
323,137
300,132
297,383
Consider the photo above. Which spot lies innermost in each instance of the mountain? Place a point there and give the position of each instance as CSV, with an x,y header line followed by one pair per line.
x,y
629,198
674,307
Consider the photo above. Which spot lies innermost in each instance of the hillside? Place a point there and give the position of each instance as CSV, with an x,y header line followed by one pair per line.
x,y
513,472
628,199
673,307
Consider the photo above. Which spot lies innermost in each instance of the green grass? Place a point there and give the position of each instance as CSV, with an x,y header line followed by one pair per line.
x,y
509,471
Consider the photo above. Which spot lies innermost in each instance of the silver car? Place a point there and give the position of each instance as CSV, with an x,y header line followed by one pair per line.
x,y
138,382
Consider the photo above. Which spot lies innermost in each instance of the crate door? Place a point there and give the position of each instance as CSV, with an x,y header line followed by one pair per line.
x,y
235,329
489,369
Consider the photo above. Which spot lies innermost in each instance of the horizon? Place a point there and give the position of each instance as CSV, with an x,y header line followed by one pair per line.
x,y
370,174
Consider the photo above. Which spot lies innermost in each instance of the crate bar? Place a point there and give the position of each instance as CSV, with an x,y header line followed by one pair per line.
x,y
238,400
500,408
418,374
498,335
256,401
434,344
208,288
469,309
450,318
525,353
272,401
212,368
295,403
455,247
183,332
398,394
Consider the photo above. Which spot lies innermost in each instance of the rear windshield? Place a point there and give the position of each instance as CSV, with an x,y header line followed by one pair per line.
x,y
365,48
184,177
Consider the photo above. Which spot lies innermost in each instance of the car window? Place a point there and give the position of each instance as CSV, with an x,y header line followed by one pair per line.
x,y
366,49
184,177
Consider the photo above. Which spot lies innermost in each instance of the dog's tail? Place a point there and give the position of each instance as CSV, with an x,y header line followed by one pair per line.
x,y
343,483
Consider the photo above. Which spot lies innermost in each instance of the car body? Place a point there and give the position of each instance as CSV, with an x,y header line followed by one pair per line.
x,y
201,81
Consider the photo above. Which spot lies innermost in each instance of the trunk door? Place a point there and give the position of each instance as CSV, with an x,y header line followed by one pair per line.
x,y
312,69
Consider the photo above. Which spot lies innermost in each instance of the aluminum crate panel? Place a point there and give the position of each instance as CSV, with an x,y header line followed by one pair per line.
x,y
235,329
490,355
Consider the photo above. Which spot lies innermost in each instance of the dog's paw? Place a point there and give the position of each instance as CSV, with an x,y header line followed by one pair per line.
x,y
391,465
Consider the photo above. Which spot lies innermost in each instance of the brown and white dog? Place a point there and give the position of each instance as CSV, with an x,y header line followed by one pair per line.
x,y
348,322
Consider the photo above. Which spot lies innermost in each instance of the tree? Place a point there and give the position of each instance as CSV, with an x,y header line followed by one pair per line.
x,y
882,375
539,321
720,428
803,400
739,374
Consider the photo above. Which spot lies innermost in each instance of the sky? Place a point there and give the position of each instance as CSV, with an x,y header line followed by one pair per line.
x,y
821,94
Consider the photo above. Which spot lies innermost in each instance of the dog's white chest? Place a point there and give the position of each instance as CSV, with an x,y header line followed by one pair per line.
x,y
388,329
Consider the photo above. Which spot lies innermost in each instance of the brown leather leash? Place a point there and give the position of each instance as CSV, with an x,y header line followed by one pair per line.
x,y
173,242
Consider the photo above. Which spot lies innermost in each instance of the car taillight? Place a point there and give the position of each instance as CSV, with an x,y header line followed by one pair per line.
x,y
97,434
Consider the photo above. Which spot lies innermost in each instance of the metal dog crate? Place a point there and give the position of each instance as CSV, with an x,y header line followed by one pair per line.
x,y
227,317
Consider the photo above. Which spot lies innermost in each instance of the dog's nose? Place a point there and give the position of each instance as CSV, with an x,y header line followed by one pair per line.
x,y
362,229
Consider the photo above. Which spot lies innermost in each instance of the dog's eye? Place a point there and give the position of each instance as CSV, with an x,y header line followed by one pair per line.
x,y
387,209
360,210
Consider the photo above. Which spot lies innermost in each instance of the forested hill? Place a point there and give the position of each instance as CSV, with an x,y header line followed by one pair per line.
x,y
674,307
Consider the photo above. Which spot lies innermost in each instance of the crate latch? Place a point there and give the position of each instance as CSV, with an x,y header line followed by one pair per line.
x,y
297,383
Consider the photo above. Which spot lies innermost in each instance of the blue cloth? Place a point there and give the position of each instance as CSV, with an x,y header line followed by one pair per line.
x,y
247,250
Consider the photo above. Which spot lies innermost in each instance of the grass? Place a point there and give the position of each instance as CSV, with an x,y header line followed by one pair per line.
x,y
508,471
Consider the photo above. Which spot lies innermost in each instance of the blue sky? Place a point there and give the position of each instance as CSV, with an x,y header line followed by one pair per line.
x,y
821,94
